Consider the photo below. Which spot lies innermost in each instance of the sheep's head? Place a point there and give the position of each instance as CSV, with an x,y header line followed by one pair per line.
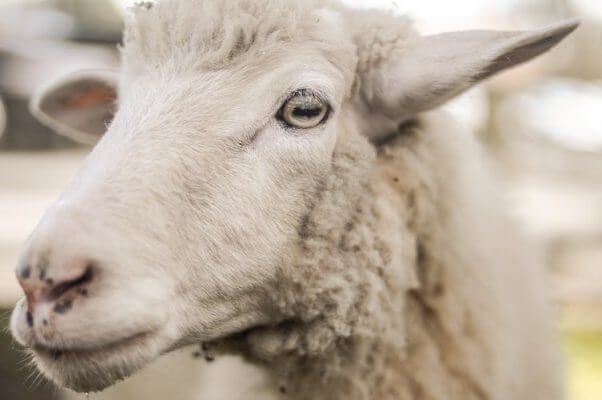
x,y
182,222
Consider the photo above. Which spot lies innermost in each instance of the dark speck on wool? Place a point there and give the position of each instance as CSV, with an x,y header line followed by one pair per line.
x,y
64,307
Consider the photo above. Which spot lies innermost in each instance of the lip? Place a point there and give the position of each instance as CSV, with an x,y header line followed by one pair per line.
x,y
57,354
93,368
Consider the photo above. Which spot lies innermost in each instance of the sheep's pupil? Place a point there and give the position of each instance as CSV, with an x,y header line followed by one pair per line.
x,y
307,112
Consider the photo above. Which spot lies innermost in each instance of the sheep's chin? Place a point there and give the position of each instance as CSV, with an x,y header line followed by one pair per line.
x,y
93,370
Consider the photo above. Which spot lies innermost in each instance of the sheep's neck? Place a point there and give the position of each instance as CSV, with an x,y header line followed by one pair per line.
x,y
369,288
346,293
361,332
358,256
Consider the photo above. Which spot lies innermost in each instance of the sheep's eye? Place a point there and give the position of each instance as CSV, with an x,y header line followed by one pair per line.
x,y
304,110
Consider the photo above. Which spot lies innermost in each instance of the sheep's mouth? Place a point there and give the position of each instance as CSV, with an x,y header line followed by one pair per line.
x,y
92,369
61,354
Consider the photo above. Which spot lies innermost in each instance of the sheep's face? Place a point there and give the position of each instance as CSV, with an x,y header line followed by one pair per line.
x,y
176,229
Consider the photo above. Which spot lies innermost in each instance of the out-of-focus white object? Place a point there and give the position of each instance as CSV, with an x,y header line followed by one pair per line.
x,y
437,8
565,112
557,209
34,22
588,8
432,16
553,139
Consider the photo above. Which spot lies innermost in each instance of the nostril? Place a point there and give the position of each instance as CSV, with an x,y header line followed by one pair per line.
x,y
63,287
59,284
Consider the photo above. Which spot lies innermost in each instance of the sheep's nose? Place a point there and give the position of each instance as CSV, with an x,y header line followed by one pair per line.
x,y
48,284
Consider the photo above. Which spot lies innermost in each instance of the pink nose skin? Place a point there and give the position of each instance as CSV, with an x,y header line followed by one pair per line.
x,y
50,285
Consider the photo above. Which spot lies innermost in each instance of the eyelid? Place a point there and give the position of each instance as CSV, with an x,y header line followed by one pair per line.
x,y
304,92
318,92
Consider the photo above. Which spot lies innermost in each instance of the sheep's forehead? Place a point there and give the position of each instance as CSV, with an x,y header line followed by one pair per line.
x,y
211,34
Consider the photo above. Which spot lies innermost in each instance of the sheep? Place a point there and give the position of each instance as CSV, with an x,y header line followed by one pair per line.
x,y
278,182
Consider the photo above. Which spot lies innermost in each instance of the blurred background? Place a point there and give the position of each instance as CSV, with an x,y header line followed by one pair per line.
x,y
541,122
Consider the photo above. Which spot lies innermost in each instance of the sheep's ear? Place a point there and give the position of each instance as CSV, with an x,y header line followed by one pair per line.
x,y
79,106
425,72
